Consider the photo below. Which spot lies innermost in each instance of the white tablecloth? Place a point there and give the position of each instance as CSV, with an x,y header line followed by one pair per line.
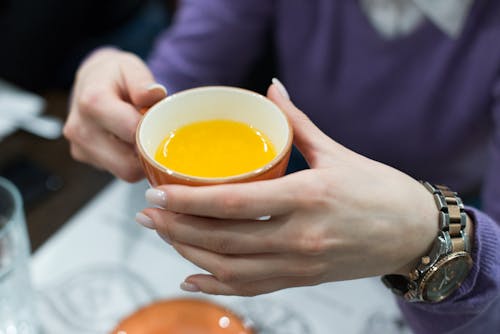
x,y
101,266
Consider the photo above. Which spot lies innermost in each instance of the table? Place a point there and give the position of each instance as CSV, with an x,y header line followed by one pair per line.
x,y
102,265
79,181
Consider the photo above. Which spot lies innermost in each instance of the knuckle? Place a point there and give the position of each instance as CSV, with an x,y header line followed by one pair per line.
x,y
225,274
83,135
129,56
129,174
165,223
312,242
165,236
232,205
274,244
69,131
89,100
76,131
76,153
222,245
318,197
317,192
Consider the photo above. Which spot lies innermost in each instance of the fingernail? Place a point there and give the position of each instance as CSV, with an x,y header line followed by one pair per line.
x,y
190,287
158,86
156,197
281,88
144,220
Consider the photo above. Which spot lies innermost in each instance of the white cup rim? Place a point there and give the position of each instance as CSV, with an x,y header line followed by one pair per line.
x,y
211,180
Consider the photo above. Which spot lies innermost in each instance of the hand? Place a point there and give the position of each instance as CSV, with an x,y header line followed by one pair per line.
x,y
110,87
347,217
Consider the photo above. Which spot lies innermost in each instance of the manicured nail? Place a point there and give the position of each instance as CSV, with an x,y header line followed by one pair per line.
x,y
190,287
156,197
281,88
144,220
157,86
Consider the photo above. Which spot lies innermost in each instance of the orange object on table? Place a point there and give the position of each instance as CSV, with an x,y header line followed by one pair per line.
x,y
183,316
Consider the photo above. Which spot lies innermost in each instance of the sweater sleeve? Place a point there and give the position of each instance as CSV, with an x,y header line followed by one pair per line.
x,y
476,304
211,42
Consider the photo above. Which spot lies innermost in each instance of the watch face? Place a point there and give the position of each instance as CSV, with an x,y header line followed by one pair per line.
x,y
446,276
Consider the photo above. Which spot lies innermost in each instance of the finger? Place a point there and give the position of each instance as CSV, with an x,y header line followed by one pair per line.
x,y
223,237
245,268
111,113
139,82
308,138
91,144
235,201
105,151
211,285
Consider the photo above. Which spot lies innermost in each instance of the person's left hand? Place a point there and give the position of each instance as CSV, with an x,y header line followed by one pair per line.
x,y
347,217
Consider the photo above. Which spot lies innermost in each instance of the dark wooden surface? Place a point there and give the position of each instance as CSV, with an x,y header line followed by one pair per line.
x,y
80,183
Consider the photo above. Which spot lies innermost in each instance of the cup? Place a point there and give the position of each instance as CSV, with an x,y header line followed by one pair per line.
x,y
16,294
183,316
210,103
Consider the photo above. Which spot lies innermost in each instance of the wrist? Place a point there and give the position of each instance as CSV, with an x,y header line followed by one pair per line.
x,y
440,272
407,268
422,238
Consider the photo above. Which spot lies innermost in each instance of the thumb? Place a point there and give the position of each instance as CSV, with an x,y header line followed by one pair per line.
x,y
140,85
308,138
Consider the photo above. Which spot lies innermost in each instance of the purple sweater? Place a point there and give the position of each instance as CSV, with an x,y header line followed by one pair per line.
x,y
425,104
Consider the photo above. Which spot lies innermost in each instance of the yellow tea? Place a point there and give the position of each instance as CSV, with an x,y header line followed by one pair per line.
x,y
216,148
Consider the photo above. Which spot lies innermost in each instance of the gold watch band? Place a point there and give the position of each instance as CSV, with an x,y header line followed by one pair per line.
x,y
451,251
452,216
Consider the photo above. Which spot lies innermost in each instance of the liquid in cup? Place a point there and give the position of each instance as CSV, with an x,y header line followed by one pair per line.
x,y
215,148
210,105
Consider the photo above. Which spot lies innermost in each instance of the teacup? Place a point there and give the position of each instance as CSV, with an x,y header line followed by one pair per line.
x,y
212,103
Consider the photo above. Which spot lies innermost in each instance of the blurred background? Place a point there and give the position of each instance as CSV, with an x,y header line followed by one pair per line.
x,y
42,44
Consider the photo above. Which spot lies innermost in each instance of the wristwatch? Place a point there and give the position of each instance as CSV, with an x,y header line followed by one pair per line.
x,y
440,273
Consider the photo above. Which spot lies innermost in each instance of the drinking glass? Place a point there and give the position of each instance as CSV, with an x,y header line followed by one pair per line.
x,y
16,294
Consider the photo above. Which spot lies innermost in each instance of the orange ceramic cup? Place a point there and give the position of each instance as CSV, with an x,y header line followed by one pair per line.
x,y
209,103
183,316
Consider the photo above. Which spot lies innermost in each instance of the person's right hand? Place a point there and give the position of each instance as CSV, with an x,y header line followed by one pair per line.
x,y
110,88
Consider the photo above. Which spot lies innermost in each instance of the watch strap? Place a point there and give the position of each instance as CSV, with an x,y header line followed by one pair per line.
x,y
452,217
451,238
